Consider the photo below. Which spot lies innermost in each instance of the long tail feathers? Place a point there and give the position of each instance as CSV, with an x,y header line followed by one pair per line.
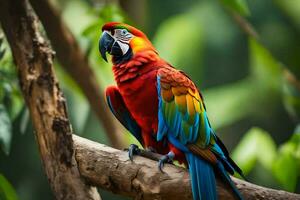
x,y
202,178
226,178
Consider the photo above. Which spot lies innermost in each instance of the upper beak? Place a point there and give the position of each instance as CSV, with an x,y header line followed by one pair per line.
x,y
105,44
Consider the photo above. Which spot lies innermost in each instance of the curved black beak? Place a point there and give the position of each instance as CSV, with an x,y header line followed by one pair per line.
x,y
108,44
105,44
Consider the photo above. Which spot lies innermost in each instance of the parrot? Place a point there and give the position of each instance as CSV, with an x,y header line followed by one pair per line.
x,y
164,110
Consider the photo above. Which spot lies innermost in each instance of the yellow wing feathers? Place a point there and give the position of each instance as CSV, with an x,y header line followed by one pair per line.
x,y
178,87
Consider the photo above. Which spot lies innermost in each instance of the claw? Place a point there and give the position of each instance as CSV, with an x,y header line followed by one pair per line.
x,y
168,158
133,150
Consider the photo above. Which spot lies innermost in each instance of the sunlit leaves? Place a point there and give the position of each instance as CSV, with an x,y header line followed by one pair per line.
x,y
237,101
2,50
179,41
256,145
92,32
286,167
231,100
77,15
7,192
284,163
291,8
286,171
10,98
77,104
5,129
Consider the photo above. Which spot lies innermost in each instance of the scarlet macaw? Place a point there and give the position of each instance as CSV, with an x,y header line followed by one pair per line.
x,y
164,110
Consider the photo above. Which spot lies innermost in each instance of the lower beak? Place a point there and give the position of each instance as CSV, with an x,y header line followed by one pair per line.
x,y
105,44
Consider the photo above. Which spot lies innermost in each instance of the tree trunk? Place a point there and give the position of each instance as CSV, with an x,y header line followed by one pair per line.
x,y
34,62
76,64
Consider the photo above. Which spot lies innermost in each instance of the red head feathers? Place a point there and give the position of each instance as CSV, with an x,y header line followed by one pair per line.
x,y
123,42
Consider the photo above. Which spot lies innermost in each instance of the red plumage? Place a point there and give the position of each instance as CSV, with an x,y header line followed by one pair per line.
x,y
163,109
137,85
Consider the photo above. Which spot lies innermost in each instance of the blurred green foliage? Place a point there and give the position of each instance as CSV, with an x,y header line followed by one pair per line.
x,y
239,6
7,192
256,146
251,87
286,166
10,99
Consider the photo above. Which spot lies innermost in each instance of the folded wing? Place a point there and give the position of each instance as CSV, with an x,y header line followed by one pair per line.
x,y
121,112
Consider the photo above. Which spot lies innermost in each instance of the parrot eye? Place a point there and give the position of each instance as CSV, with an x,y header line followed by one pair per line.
x,y
124,32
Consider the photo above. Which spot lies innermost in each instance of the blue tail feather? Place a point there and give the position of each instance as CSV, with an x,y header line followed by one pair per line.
x,y
226,178
202,178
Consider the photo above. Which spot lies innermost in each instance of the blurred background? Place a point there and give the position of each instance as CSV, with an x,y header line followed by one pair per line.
x,y
243,55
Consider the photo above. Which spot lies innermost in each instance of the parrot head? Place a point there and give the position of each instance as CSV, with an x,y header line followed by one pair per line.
x,y
122,41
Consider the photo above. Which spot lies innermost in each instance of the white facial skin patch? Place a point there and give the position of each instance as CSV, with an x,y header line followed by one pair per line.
x,y
124,47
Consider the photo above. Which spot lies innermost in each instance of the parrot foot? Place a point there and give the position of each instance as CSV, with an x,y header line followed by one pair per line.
x,y
133,149
168,158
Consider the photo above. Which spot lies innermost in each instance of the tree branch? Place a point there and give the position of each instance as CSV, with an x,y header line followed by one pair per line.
x,y
34,61
247,28
112,170
76,64
244,25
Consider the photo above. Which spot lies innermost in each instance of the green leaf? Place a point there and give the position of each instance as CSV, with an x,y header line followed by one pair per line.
x,y
5,129
239,6
297,150
112,12
286,170
92,32
13,103
236,100
77,104
256,145
231,98
264,67
287,34
171,41
77,15
291,95
2,50
7,192
181,42
286,167
10,95
291,8
24,120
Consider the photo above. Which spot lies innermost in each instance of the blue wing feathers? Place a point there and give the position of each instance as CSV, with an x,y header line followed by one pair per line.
x,y
182,129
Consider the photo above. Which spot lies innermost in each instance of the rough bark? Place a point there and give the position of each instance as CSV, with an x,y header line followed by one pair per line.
x,y
111,169
74,61
40,89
